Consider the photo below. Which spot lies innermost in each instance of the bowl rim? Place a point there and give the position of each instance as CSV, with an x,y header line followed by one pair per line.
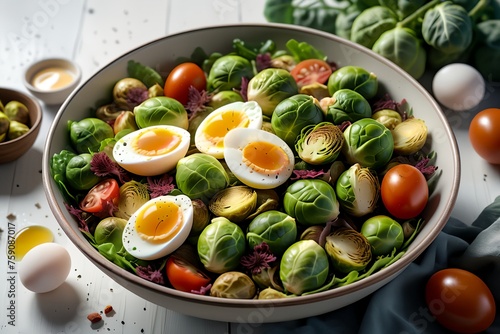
x,y
371,280
35,124
39,64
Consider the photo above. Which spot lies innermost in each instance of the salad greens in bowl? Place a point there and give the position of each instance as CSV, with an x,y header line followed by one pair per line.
x,y
219,174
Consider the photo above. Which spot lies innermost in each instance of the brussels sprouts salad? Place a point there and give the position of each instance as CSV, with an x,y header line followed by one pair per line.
x,y
261,173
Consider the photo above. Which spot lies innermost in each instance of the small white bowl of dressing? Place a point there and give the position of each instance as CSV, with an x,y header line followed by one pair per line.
x,y
52,80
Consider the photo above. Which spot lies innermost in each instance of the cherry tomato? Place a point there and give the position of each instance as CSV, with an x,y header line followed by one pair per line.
x,y
101,198
484,134
404,191
460,301
181,78
310,71
184,276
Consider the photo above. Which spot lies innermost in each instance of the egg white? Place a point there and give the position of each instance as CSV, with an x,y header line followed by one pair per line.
x,y
150,161
144,247
209,136
266,176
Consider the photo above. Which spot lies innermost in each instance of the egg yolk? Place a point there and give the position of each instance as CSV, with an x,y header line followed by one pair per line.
x,y
159,222
265,157
156,142
222,123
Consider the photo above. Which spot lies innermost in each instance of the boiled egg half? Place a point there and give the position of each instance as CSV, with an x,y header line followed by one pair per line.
x,y
158,227
153,150
258,158
210,134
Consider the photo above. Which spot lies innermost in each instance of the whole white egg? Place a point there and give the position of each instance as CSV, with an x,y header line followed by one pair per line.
x,y
158,227
45,267
258,158
153,150
210,134
458,86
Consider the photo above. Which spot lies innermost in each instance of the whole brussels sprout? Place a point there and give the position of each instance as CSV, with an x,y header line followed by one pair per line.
x,y
221,245
388,117
227,71
270,293
129,92
311,202
294,113
401,46
271,86
346,105
371,23
110,229
348,250
368,143
16,111
409,136
354,78
4,126
345,19
487,52
304,267
78,173
86,135
224,97
16,130
447,27
358,191
161,110
273,227
233,284
383,233
403,8
125,121
319,144
200,176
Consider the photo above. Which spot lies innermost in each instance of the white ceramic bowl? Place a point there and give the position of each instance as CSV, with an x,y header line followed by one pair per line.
x,y
160,54
53,95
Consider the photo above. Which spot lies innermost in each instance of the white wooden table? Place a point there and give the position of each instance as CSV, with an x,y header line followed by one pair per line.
x,y
94,32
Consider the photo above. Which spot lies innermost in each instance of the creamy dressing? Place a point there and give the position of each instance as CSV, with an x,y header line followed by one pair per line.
x,y
52,78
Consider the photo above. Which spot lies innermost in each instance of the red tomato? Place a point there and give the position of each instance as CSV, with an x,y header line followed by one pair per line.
x,y
310,71
484,134
404,191
101,197
185,277
181,78
460,301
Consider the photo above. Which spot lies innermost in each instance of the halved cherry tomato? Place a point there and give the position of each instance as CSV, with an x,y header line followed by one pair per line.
x,y
101,197
181,78
184,276
404,191
460,301
310,71
484,134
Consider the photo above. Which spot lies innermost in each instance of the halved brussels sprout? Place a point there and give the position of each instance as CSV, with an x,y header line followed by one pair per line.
x,y
201,216
233,284
409,136
235,203
319,144
132,196
275,228
358,190
348,250
267,199
304,267
383,233
221,245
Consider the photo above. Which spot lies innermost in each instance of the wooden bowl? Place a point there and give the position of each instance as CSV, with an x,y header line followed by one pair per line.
x,y
11,150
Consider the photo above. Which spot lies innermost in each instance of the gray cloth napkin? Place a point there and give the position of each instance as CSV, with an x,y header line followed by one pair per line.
x,y
399,307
